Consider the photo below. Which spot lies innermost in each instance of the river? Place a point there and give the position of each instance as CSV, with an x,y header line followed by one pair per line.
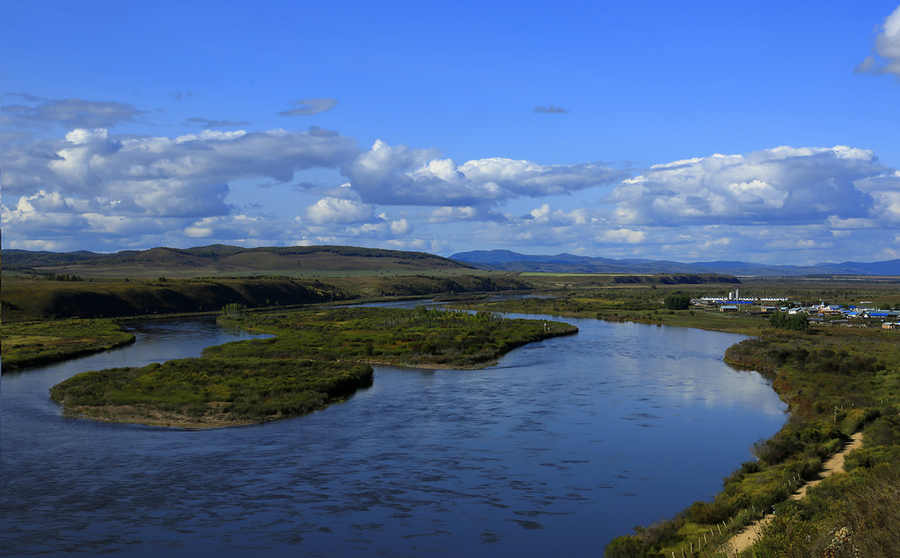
x,y
562,446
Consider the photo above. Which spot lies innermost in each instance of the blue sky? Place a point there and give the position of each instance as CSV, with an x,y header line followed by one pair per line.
x,y
763,131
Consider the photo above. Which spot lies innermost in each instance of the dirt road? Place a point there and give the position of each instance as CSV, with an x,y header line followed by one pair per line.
x,y
835,464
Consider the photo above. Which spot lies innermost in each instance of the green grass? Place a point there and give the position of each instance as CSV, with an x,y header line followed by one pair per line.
x,y
32,343
210,391
39,299
314,358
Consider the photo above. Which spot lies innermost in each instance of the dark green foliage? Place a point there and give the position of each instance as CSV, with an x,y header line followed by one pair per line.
x,y
31,343
247,389
626,546
661,532
677,301
814,355
64,277
96,300
402,337
795,322
310,362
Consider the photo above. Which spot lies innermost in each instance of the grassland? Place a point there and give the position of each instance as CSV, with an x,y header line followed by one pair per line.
x,y
42,299
226,261
32,343
315,357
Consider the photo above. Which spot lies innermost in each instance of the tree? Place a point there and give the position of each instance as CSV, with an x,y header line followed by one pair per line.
x,y
677,301
796,322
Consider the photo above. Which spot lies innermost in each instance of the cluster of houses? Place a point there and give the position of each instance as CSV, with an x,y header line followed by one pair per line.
x,y
830,314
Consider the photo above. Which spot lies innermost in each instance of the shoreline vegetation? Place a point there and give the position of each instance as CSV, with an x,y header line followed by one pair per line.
x,y
314,358
836,381
34,343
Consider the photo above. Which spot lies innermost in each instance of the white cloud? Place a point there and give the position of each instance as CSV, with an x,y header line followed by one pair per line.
x,y
886,53
399,175
91,182
334,210
627,236
449,214
776,186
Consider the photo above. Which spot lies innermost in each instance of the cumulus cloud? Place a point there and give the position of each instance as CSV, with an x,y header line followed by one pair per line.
x,y
551,110
92,162
885,57
334,210
306,107
68,113
92,182
450,214
399,175
784,185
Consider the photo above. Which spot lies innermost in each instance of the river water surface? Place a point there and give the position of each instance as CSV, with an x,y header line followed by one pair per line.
x,y
564,445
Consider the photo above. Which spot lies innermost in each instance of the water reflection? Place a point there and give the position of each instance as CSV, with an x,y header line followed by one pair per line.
x,y
562,446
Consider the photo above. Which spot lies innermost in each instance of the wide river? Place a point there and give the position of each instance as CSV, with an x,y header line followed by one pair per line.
x,y
564,445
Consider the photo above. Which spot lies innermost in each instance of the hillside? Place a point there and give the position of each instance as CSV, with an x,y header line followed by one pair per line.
x,y
220,260
567,263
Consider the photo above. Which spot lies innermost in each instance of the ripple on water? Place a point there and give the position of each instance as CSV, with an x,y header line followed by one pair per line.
x,y
528,458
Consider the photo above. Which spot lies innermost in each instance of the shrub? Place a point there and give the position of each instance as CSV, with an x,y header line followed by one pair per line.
x,y
626,546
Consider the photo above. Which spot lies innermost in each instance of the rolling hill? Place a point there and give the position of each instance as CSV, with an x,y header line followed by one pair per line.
x,y
568,263
220,260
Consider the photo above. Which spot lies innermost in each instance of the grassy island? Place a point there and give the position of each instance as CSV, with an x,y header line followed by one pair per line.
x,y
315,357
32,343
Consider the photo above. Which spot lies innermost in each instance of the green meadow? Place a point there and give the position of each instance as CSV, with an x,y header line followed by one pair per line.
x,y
32,343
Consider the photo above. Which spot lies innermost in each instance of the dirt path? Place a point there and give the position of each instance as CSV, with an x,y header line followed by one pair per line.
x,y
743,540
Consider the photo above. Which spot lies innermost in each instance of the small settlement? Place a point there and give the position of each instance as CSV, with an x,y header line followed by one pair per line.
x,y
821,314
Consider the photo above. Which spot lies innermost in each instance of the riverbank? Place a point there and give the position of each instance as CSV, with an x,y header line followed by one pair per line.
x,y
33,343
313,359
749,536
835,381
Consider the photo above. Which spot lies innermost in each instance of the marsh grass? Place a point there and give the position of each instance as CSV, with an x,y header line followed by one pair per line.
x,y
33,343
315,357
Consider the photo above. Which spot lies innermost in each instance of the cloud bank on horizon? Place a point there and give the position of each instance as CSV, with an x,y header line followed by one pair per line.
x,y
104,175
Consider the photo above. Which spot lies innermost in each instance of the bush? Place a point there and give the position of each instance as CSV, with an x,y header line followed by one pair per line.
x,y
626,546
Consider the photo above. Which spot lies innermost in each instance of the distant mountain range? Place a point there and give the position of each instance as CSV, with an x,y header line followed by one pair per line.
x,y
568,263
218,259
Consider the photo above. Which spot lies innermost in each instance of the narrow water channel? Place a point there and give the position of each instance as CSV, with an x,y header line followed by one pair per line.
x,y
564,445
